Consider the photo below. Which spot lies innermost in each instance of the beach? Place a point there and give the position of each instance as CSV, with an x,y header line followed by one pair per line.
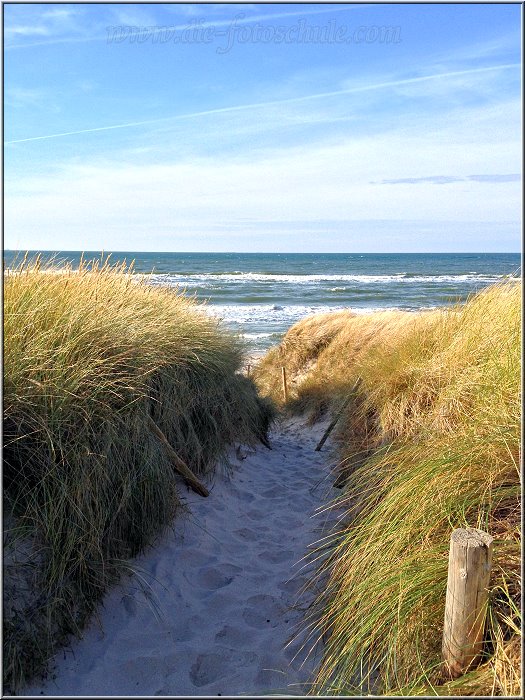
x,y
176,594
263,357
216,602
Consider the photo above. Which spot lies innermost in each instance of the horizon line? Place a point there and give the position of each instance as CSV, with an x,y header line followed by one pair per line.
x,y
264,252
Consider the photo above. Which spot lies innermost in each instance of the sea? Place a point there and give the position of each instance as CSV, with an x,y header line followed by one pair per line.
x,y
260,295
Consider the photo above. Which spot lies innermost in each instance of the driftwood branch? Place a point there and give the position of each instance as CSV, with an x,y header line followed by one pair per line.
x,y
182,468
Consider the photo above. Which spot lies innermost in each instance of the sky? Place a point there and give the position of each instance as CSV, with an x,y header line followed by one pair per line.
x,y
262,128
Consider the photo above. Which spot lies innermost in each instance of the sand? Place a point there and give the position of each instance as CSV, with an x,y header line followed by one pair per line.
x,y
212,605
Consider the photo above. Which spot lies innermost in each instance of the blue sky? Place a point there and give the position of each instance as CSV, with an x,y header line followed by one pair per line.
x,y
286,128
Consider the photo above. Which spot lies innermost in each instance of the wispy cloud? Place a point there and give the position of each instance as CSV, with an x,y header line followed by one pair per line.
x,y
19,30
266,139
196,9
23,97
256,105
135,15
481,50
448,179
40,22
59,13
329,182
135,18
513,177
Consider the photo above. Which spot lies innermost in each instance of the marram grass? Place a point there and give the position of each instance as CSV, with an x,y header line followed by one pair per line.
x,y
89,355
430,443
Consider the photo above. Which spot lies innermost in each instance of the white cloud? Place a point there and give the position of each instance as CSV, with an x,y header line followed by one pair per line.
x,y
19,30
21,97
134,15
279,158
59,13
475,52
328,182
35,21
199,9
80,26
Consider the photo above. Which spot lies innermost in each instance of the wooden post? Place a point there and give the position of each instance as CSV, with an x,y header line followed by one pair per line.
x,y
180,466
285,388
248,368
469,564
338,415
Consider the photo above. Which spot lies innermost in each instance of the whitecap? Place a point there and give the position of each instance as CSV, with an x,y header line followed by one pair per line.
x,y
250,277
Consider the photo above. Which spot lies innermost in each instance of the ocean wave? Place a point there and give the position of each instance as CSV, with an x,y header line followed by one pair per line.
x,y
262,335
250,277
267,314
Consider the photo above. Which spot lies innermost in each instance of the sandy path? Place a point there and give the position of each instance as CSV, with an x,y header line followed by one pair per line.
x,y
224,585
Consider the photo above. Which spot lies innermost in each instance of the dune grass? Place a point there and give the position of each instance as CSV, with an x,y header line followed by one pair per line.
x,y
89,357
430,443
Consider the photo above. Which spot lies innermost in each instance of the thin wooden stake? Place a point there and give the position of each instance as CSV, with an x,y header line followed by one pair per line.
x,y
180,466
285,387
470,561
339,414
248,368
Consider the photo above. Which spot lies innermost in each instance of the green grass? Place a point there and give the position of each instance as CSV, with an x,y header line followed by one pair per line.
x,y
430,443
89,356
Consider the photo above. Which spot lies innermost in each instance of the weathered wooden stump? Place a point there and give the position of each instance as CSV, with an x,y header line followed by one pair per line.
x,y
470,561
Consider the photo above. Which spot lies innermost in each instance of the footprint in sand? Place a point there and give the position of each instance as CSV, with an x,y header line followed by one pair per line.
x,y
211,667
287,522
263,611
301,506
185,630
130,605
255,514
193,558
212,578
234,636
245,496
206,669
297,650
274,492
223,600
272,673
246,534
294,585
277,557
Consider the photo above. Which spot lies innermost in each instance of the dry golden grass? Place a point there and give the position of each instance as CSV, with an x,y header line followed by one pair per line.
x,y
430,443
299,351
89,357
